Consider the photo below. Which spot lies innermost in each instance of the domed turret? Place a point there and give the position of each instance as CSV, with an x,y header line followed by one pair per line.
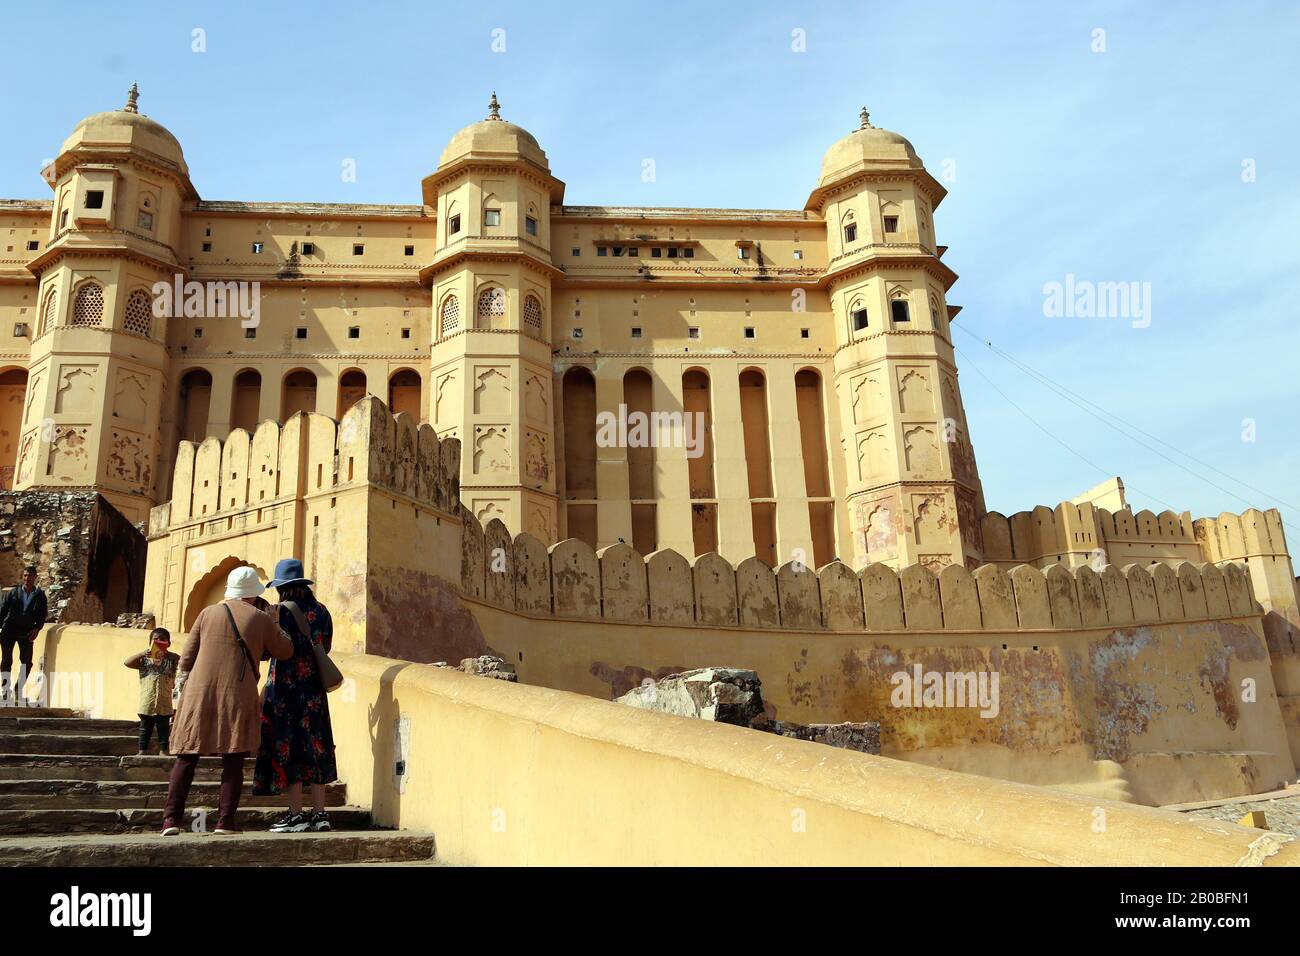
x,y
867,147
493,138
127,127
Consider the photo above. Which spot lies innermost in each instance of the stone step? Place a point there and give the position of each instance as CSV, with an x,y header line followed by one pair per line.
x,y
91,744
108,794
99,767
82,726
8,711
210,849
74,821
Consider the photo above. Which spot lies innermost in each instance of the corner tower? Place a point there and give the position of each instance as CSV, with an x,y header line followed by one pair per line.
x,y
99,359
490,282
913,491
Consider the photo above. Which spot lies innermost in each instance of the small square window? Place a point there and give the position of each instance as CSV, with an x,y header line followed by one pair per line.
x,y
803,333
20,329
408,251
207,247
798,253
354,331
688,253
530,225
891,224
208,231
656,253
577,333
576,252
33,245
63,219
257,248
491,217
144,220
693,332
898,310
742,252
749,331
672,252
633,251
250,333
636,331
601,251
453,225
198,333
95,199
309,248
406,333
300,333
851,232
859,319
358,249
618,251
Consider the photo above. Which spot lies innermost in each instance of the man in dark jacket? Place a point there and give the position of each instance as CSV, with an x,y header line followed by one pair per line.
x,y
22,614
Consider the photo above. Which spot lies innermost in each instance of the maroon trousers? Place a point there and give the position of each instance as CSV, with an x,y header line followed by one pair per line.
x,y
182,776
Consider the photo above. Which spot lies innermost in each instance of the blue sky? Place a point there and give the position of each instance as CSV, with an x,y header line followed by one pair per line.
x,y
1117,166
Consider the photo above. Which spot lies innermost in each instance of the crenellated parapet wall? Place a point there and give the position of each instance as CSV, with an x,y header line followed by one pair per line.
x,y
616,584
370,504
309,454
1079,533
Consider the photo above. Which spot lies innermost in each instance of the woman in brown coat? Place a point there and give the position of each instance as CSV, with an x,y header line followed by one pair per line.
x,y
220,712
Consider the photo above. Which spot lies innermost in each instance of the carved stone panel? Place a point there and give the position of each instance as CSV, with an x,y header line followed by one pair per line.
x,y
129,459
491,390
130,397
76,390
492,450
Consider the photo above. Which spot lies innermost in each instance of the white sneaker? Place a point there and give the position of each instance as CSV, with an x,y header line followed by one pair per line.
x,y
171,831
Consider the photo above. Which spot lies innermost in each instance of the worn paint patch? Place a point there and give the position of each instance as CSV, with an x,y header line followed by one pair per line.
x,y
622,680
1241,640
1125,706
417,616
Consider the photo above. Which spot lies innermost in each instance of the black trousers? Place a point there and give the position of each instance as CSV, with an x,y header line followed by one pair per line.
x,y
148,722
7,643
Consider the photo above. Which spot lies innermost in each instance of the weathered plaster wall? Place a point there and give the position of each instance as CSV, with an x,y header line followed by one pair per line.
x,y
534,768
1127,683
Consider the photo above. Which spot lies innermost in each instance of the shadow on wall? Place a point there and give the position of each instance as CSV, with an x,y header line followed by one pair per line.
x,y
390,748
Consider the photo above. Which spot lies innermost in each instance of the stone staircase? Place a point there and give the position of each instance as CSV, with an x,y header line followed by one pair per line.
x,y
73,793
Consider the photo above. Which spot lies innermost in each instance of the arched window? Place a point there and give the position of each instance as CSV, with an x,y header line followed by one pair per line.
x,y
491,308
533,315
139,313
298,394
936,313
858,315
850,228
49,313
404,393
144,215
195,396
246,400
88,307
898,310
352,389
450,314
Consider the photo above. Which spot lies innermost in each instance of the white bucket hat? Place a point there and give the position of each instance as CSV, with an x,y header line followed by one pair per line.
x,y
243,583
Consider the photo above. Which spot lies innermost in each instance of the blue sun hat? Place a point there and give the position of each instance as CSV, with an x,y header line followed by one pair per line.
x,y
288,571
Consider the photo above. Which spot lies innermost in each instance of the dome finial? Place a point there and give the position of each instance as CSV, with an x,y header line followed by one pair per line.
x,y
132,95
494,108
866,119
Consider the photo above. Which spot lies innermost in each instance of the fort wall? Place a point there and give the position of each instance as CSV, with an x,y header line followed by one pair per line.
x,y
534,766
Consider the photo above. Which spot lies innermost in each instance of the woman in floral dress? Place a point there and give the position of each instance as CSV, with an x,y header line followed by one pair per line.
x,y
297,741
